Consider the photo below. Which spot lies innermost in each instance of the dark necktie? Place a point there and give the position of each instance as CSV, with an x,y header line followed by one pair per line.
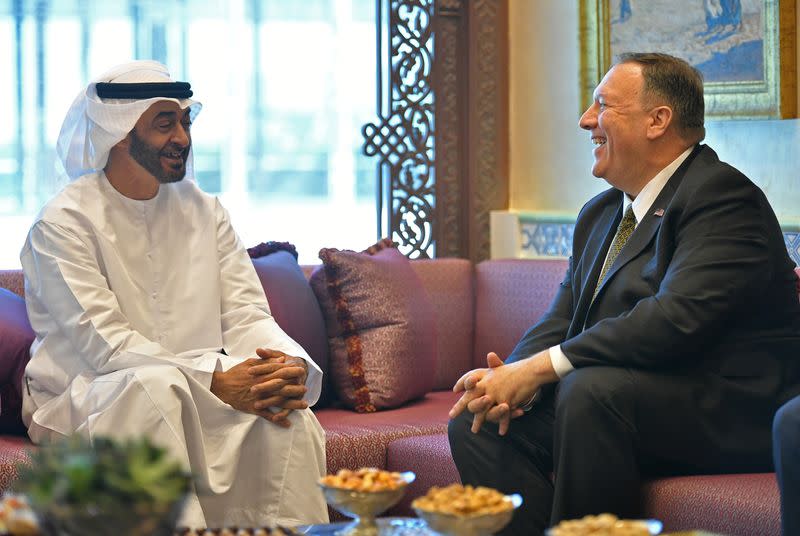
x,y
624,232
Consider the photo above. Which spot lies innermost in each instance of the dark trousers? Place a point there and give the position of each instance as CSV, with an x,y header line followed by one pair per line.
x,y
602,429
786,452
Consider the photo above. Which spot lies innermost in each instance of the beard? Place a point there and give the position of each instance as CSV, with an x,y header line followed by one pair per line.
x,y
149,158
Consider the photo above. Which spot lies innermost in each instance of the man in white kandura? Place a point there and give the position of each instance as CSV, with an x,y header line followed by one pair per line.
x,y
150,319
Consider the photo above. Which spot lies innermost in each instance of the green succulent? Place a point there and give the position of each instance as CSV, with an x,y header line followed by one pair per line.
x,y
89,482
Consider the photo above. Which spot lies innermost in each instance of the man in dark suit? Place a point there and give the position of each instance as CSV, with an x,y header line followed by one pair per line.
x,y
673,338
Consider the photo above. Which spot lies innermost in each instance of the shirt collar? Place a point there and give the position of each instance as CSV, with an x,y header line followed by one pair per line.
x,y
648,195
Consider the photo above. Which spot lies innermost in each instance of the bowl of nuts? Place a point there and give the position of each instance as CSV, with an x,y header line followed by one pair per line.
x,y
457,510
605,525
363,494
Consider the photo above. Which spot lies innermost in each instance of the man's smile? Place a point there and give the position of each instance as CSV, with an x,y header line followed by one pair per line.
x,y
174,158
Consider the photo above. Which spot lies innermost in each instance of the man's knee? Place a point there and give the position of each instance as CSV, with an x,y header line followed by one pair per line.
x,y
462,441
587,392
786,425
306,424
459,428
160,378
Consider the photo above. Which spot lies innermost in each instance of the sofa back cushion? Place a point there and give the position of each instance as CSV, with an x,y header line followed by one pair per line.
x,y
449,286
510,296
16,337
294,306
380,324
14,281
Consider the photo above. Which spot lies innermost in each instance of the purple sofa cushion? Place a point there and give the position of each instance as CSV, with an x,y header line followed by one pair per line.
x,y
381,327
16,337
737,505
14,452
293,303
448,283
510,296
429,458
13,281
354,440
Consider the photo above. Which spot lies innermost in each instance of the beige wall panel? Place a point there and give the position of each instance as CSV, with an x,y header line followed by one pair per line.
x,y
550,156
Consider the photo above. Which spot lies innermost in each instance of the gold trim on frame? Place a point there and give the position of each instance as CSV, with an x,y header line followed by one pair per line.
x,y
773,98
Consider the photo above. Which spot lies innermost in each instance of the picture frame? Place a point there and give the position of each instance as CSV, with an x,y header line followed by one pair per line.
x,y
746,49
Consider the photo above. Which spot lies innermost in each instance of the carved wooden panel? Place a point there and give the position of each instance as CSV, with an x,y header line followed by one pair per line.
x,y
443,141
403,137
487,147
450,85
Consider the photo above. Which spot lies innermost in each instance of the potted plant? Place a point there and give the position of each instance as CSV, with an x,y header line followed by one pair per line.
x,y
104,487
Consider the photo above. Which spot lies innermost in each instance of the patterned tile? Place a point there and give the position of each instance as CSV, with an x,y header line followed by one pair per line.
x,y
792,240
547,238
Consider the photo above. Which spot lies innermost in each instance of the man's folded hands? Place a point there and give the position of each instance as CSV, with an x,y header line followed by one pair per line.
x,y
271,386
498,392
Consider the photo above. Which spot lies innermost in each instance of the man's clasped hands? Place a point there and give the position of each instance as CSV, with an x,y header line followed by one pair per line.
x,y
498,393
271,386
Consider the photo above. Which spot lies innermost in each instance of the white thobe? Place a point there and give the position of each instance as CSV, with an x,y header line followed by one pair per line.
x,y
135,304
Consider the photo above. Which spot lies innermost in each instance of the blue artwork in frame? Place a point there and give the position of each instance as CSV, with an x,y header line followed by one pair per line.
x,y
724,39
744,48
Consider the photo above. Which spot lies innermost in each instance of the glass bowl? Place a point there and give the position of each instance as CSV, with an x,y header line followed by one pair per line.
x,y
470,525
364,506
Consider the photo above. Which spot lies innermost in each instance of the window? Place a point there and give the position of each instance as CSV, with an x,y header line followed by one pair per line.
x,y
285,88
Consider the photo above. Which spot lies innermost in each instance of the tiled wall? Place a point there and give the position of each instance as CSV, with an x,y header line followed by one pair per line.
x,y
548,238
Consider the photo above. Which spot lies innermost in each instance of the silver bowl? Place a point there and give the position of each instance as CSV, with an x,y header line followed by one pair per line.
x,y
474,525
364,506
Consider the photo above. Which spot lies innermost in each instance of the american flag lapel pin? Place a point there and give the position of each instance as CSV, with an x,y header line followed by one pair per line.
x,y
659,212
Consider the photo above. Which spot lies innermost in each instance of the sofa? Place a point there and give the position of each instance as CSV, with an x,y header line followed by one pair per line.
x,y
477,309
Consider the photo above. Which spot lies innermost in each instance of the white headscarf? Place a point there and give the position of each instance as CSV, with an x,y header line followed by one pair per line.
x,y
94,125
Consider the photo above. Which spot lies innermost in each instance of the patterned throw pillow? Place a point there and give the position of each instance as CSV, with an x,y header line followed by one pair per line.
x,y
380,324
293,303
16,337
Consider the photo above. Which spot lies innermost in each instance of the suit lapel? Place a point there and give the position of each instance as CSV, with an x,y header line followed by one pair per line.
x,y
595,256
606,228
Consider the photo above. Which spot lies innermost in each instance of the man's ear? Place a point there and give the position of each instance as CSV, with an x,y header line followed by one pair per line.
x,y
123,143
660,120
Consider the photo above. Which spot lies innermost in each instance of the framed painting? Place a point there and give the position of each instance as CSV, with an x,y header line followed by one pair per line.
x,y
745,49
